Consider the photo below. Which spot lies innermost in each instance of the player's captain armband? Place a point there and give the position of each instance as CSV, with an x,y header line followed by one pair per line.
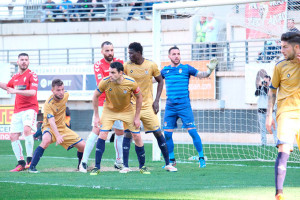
x,y
137,90
49,116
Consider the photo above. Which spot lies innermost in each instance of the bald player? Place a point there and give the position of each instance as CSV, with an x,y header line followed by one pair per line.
x,y
286,81
54,126
143,71
118,89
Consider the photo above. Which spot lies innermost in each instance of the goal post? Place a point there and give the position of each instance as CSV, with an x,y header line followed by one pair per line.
x,y
226,121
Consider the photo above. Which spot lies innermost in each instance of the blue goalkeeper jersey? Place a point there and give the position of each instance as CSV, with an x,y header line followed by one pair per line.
x,y
177,80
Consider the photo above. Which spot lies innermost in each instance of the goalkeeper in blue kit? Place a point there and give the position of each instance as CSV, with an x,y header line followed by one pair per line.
x,y
178,104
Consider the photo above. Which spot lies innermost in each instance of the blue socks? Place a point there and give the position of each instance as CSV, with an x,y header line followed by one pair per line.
x,y
197,141
38,153
126,149
170,144
100,148
163,147
140,152
280,170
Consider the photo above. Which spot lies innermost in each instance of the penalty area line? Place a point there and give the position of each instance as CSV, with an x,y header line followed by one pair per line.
x,y
63,185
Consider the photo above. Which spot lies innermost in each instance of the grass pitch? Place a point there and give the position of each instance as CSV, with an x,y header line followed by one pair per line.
x,y
219,180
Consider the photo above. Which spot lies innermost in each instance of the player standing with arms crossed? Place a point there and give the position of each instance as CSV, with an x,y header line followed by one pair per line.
x,y
178,103
24,84
101,70
118,88
143,70
54,126
286,79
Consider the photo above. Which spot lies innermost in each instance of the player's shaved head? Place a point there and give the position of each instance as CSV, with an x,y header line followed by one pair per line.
x,y
173,48
57,82
23,54
137,47
106,43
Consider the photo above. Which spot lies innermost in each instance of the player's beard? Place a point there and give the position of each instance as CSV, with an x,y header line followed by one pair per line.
x,y
291,56
23,67
58,97
109,58
175,62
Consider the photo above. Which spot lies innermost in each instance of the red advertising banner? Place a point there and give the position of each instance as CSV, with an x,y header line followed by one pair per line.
x,y
6,113
199,88
265,19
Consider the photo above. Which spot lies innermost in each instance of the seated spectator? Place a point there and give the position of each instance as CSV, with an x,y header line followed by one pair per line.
x,y
48,10
65,8
148,5
291,26
97,7
271,51
138,7
81,9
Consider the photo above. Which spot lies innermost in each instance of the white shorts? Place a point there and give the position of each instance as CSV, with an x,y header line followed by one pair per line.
x,y
21,119
117,124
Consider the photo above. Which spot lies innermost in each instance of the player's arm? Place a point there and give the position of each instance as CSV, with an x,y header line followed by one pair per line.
x,y
271,102
3,86
139,101
28,93
160,86
59,138
96,95
210,68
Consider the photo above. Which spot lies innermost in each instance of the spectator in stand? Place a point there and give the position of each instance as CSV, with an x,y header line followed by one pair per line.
x,y
291,26
65,8
138,7
199,49
97,7
212,31
48,10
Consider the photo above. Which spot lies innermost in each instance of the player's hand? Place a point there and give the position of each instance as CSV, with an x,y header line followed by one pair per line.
x,y
59,139
155,107
137,122
11,90
269,124
96,122
212,64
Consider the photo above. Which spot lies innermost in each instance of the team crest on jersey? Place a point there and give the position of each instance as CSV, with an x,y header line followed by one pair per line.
x,y
131,71
125,91
288,75
180,70
146,71
165,124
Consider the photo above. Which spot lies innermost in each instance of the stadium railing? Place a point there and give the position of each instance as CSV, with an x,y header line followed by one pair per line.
x,y
232,55
23,11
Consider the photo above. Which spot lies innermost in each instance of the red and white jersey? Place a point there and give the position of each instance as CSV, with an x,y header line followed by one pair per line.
x,y
26,81
101,70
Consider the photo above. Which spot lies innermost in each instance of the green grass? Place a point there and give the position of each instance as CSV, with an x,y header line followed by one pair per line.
x,y
219,180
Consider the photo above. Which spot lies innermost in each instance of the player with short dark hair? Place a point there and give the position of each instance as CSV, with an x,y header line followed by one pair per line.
x,y
143,70
286,88
178,104
24,84
117,106
101,70
54,126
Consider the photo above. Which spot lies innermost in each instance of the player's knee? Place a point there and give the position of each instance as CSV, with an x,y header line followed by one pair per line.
x,y
119,132
14,136
168,135
157,133
127,134
96,130
103,135
27,130
80,146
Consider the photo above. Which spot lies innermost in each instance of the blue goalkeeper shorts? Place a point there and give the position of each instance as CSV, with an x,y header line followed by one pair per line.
x,y
175,111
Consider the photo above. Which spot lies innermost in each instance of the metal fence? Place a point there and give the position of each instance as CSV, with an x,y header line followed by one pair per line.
x,y
231,55
41,11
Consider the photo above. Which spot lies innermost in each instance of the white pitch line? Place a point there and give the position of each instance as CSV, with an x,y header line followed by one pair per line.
x,y
63,185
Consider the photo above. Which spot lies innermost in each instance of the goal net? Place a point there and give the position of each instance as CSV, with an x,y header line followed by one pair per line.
x,y
244,36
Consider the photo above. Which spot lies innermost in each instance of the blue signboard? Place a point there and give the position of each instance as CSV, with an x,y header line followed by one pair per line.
x,y
71,82
90,82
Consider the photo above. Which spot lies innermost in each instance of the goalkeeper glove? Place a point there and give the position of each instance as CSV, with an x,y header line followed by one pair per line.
x,y
212,65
